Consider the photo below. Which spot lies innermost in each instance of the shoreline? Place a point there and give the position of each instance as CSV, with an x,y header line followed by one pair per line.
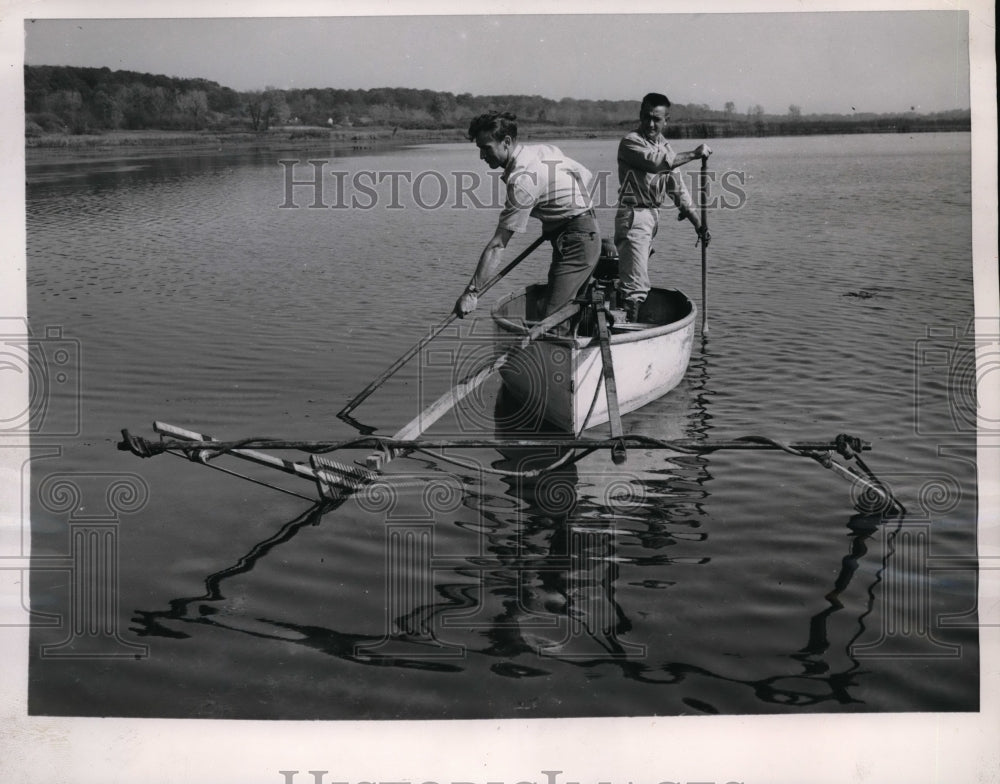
x,y
64,148
137,144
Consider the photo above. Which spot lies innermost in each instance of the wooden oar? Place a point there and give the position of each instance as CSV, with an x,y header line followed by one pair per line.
x,y
618,453
460,391
364,393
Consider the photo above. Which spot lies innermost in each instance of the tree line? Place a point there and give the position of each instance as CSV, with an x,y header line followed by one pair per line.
x,y
70,99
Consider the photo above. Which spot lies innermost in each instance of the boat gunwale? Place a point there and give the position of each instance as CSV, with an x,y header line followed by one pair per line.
x,y
629,336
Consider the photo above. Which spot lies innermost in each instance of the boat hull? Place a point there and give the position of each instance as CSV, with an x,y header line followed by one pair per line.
x,y
560,379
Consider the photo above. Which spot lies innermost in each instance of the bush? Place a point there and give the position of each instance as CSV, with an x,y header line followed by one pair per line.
x,y
47,122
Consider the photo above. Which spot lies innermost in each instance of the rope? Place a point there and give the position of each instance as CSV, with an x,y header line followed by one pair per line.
x,y
139,446
766,441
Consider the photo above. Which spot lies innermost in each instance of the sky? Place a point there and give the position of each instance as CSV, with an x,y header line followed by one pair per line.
x,y
839,62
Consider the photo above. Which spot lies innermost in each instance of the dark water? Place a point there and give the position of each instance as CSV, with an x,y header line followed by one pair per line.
x,y
179,289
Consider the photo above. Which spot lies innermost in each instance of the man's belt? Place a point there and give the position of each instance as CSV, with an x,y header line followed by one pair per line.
x,y
554,228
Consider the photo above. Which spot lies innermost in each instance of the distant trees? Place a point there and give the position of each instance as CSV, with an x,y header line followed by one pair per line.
x,y
757,124
66,99
266,108
68,106
93,99
82,100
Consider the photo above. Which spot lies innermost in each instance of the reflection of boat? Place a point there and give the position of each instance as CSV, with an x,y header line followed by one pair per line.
x,y
562,376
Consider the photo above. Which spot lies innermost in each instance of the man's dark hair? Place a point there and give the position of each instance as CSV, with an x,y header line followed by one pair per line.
x,y
652,100
497,124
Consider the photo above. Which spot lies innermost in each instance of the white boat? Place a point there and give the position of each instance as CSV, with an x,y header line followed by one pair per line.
x,y
561,379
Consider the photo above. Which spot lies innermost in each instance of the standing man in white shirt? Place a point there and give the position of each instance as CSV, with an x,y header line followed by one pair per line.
x,y
541,183
647,177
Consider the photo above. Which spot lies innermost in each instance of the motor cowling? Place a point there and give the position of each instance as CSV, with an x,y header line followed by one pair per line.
x,y
605,281
607,264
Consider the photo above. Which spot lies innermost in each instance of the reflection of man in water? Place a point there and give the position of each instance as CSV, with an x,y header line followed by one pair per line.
x,y
563,601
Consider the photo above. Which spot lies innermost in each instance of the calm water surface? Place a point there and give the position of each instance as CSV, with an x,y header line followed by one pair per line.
x,y
736,582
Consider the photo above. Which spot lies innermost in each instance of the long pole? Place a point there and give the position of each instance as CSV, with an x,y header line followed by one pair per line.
x,y
364,393
704,246
461,390
618,453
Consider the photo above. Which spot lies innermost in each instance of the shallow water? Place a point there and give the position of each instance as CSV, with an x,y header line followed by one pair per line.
x,y
839,300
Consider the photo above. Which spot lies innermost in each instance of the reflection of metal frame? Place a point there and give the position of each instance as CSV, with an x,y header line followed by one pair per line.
x,y
579,567
554,598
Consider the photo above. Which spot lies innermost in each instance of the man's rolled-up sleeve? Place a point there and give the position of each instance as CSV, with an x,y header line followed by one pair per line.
x,y
640,156
521,200
678,192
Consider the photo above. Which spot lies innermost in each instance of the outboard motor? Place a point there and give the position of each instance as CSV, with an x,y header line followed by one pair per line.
x,y
607,264
605,280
